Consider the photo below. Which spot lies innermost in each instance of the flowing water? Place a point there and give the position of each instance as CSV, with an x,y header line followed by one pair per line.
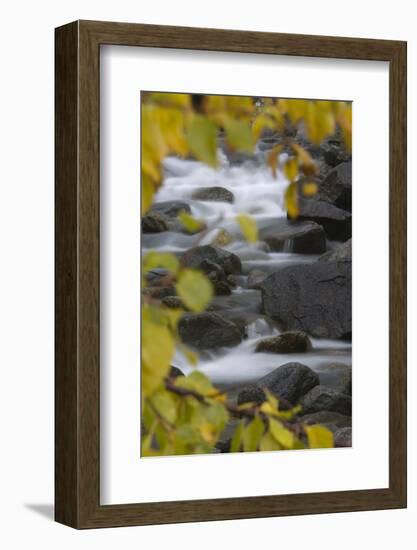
x,y
256,193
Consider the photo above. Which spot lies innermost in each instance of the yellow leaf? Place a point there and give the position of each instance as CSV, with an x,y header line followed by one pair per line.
x,y
319,120
248,227
291,169
273,158
153,260
191,224
281,434
238,135
310,189
182,101
291,200
269,443
319,437
305,161
157,352
202,140
194,289
252,434
148,191
294,108
261,122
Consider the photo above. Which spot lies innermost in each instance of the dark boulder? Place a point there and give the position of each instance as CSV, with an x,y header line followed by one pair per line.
x,y
342,253
336,376
289,382
173,302
286,342
294,236
154,223
343,437
208,330
337,223
332,420
336,187
314,298
170,209
322,398
219,194
195,258
255,278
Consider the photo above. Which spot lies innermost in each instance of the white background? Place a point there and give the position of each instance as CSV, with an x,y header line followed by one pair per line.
x,y
26,295
124,477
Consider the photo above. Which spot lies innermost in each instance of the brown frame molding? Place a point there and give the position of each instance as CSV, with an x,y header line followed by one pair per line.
x,y
77,274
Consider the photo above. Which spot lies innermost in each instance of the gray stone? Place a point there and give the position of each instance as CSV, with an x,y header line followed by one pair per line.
x,y
329,418
154,223
170,209
336,188
322,398
337,223
286,342
314,298
208,330
255,278
294,236
343,437
336,376
219,194
195,258
342,252
288,382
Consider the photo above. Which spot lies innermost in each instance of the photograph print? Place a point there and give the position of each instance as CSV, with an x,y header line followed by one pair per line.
x,y
246,274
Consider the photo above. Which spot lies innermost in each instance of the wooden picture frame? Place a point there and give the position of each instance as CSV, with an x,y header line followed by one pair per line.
x,y
77,405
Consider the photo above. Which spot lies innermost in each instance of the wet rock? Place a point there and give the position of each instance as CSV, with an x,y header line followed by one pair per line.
x,y
322,398
336,376
314,298
337,223
336,188
333,420
173,302
286,342
255,278
228,261
170,209
154,223
289,382
208,330
342,252
298,237
343,437
218,194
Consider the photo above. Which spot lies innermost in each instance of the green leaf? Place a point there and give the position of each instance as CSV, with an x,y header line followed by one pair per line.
x,y
165,404
252,434
165,260
319,437
157,351
192,225
194,289
196,381
269,443
248,227
202,140
238,135
284,436
237,438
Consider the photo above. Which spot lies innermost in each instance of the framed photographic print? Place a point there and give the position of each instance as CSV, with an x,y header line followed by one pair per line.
x,y
230,274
